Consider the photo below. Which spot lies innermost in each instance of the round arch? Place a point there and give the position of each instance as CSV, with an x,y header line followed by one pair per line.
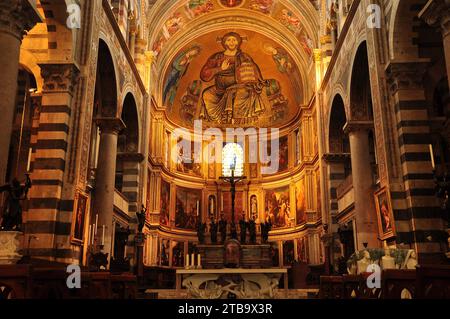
x,y
106,82
130,140
403,16
360,96
336,122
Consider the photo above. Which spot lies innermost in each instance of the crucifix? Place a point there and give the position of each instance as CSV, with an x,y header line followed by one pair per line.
x,y
233,180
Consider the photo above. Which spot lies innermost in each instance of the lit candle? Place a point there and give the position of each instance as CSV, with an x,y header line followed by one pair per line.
x,y
432,156
96,223
29,160
198,208
89,236
103,236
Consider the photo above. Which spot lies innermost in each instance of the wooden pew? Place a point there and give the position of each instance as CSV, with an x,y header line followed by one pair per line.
x,y
331,287
433,282
396,284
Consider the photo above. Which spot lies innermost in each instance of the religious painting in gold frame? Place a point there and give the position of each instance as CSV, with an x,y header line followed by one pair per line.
x,y
80,210
383,205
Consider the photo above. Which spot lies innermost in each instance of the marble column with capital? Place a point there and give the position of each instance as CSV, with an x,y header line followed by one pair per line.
x,y
16,18
366,218
105,179
436,13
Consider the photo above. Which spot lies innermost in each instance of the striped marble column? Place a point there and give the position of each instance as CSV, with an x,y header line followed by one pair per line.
x,y
417,214
130,189
49,217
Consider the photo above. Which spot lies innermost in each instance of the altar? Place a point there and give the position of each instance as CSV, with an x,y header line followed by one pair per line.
x,y
238,283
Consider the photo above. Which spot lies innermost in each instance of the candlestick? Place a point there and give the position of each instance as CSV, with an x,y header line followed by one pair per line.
x,y
199,261
198,208
29,159
93,237
89,236
186,261
96,223
103,236
193,260
432,156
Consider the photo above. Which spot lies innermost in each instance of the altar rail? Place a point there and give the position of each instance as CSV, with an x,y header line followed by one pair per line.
x,y
426,282
27,282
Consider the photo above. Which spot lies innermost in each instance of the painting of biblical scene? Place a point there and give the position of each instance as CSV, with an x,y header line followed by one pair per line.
x,y
199,7
277,207
238,92
300,202
302,251
187,160
384,212
165,251
164,218
173,24
187,208
79,217
288,253
177,254
264,6
231,3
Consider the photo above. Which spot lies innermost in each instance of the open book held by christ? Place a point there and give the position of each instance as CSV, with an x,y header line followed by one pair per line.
x,y
246,72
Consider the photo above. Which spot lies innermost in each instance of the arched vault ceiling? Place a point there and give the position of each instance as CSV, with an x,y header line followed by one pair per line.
x,y
278,37
297,17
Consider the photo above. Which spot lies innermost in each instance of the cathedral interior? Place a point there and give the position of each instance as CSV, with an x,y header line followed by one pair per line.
x,y
158,146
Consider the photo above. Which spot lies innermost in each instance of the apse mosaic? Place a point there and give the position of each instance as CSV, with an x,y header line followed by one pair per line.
x,y
194,9
239,78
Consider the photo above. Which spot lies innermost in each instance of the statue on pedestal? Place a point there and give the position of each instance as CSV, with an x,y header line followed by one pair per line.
x,y
223,228
12,213
265,229
243,228
252,231
213,231
141,218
